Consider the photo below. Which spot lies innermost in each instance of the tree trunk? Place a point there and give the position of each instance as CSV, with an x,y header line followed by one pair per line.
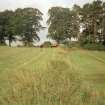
x,y
95,32
2,41
10,40
9,43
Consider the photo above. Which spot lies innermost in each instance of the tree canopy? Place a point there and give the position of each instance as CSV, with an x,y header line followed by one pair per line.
x,y
65,23
62,23
22,22
93,15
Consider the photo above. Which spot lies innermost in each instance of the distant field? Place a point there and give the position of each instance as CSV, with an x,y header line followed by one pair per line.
x,y
30,76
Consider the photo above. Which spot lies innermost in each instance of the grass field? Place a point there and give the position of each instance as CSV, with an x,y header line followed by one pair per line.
x,y
30,76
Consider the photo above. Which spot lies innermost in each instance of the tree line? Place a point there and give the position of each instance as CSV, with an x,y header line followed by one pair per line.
x,y
86,23
64,23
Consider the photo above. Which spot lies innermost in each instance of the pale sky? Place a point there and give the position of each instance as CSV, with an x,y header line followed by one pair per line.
x,y
43,5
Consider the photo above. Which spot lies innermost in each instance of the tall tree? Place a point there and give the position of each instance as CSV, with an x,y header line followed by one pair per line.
x,y
28,24
5,18
92,15
9,31
22,22
62,24
2,20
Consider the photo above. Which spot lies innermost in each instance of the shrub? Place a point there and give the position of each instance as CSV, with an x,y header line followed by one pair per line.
x,y
95,46
47,44
70,45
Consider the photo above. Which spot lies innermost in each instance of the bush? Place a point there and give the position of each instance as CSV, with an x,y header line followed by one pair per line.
x,y
47,44
70,45
95,46
67,44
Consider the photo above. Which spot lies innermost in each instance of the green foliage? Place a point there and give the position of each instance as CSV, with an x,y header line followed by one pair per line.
x,y
92,18
28,24
95,46
65,23
62,23
6,26
22,22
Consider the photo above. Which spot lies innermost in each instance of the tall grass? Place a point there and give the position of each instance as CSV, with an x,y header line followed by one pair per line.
x,y
57,86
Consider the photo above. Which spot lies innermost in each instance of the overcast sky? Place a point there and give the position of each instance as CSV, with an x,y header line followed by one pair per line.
x,y
43,5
